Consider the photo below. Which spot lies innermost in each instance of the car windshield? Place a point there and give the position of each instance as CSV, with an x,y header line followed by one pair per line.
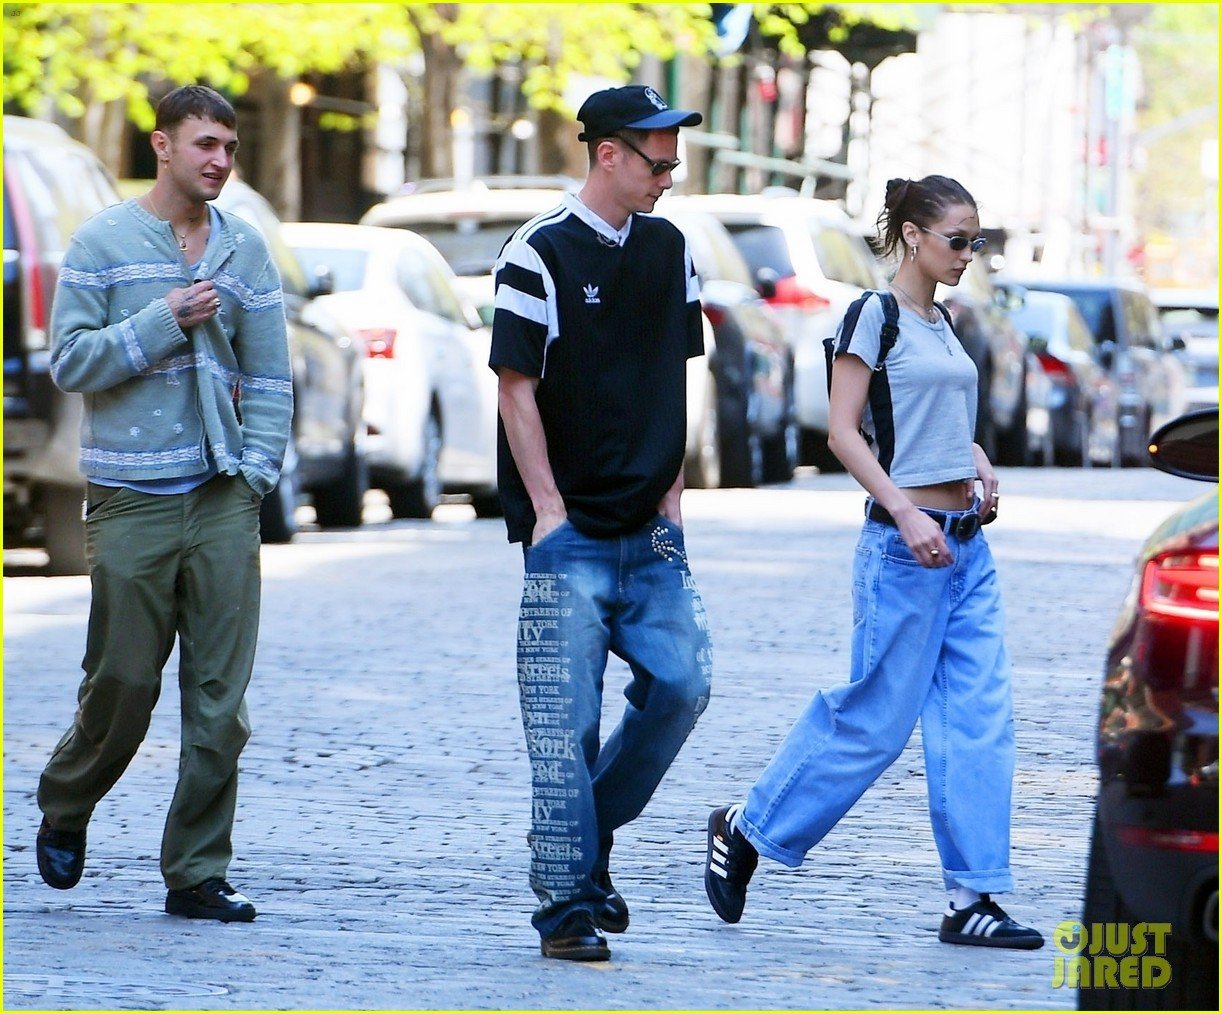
x,y
842,257
1096,310
347,266
1191,322
763,246
470,248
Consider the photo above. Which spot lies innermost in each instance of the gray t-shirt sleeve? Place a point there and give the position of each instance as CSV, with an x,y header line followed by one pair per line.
x,y
864,338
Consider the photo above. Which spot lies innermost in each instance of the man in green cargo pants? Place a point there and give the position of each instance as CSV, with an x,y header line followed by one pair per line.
x,y
169,320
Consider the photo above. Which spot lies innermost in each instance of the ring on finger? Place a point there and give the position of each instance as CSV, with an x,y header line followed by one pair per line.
x,y
934,552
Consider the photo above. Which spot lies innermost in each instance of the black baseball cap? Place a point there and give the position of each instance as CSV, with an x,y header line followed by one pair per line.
x,y
636,106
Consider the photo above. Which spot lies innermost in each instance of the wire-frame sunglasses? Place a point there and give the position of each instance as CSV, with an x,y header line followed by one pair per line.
x,y
959,243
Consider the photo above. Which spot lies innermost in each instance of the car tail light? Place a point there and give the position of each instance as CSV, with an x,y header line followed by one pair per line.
x,y
790,293
1054,368
1174,839
31,272
379,341
1182,585
715,315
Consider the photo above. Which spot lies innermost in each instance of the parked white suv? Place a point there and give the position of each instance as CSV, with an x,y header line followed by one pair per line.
x,y
810,262
470,225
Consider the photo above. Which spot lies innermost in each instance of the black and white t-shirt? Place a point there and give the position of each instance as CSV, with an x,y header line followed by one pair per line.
x,y
923,413
606,319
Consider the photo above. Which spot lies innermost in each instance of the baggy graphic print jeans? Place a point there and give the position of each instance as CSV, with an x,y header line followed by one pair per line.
x,y
583,597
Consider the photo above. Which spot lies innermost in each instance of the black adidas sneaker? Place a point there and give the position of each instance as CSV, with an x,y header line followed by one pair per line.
x,y
985,924
728,864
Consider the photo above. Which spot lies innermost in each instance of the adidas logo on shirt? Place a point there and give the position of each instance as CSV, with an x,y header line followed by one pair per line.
x,y
591,292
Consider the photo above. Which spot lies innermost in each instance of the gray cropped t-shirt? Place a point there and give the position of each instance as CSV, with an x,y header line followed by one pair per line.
x,y
922,407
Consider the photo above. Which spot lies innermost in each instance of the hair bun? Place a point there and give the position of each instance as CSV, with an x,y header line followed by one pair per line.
x,y
897,190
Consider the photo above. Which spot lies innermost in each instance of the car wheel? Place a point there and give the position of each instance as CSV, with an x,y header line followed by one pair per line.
x,y
1076,453
703,469
419,497
64,530
813,450
1133,442
1012,442
742,454
278,511
487,505
1084,459
340,503
1194,966
780,451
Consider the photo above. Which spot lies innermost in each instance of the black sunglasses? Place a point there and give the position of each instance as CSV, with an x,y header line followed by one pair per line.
x,y
656,166
958,243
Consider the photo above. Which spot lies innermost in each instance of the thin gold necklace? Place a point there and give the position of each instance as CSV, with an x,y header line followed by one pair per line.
x,y
929,313
181,237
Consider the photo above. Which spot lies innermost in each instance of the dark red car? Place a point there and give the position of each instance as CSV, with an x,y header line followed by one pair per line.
x,y
1154,850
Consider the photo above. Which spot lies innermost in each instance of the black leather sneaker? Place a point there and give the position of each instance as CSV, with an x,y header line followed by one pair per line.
x,y
728,864
613,916
213,899
985,924
61,856
576,939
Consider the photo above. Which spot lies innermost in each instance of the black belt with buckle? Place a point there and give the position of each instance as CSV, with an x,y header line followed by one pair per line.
x,y
961,526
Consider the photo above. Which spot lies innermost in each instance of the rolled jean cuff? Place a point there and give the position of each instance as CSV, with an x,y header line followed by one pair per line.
x,y
784,856
981,881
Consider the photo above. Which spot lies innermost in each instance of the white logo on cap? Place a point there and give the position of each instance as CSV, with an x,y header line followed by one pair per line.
x,y
655,98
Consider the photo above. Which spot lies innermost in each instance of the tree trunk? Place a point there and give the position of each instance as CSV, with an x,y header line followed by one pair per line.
x,y
278,171
103,128
442,67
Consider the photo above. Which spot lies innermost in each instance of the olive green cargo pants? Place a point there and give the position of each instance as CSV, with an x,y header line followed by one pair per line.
x,y
186,566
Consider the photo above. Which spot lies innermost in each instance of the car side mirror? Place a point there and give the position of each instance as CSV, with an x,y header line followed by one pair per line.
x,y
1107,353
323,282
1188,446
765,282
474,316
1037,343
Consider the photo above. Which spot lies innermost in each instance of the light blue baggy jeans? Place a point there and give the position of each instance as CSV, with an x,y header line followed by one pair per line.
x,y
583,597
927,643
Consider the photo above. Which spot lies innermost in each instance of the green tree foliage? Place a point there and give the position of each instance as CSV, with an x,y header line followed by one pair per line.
x,y
76,54
73,55
555,42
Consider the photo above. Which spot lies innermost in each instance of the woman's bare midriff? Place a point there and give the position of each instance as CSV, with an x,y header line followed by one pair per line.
x,y
943,496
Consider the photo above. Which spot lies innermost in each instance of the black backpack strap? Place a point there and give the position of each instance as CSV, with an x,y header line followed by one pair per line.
x,y
946,314
886,339
891,326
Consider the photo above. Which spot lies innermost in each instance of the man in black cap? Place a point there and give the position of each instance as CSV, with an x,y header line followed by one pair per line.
x,y
597,312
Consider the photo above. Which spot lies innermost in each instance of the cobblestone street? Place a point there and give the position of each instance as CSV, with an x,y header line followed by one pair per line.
x,y
384,801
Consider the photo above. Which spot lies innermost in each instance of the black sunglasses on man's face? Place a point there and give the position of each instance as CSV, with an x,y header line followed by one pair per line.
x,y
657,166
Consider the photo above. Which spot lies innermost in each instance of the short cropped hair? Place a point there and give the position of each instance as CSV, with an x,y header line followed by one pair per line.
x,y
194,100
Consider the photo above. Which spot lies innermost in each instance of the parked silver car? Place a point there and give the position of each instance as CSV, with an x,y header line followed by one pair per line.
x,y
52,185
430,400
809,262
470,225
1072,405
1190,321
1129,335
